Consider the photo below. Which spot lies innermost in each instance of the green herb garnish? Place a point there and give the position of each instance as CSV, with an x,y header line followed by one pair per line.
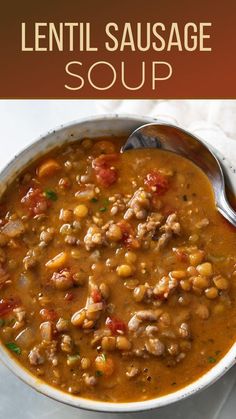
x,y
106,202
13,347
211,360
98,373
2,322
94,200
51,195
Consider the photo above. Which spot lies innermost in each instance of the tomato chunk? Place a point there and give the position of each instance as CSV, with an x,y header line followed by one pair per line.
x,y
128,235
96,296
106,174
35,201
105,160
48,314
115,325
157,182
182,256
7,305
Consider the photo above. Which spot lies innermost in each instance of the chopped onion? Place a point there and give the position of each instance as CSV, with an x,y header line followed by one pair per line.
x,y
85,195
13,228
46,331
25,338
24,281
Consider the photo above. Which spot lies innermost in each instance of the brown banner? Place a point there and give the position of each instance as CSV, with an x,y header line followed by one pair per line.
x,y
118,49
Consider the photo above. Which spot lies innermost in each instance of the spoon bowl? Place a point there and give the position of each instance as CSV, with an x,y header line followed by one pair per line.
x,y
172,138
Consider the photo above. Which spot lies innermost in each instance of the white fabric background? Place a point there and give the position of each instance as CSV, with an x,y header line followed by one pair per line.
x,y
213,120
21,123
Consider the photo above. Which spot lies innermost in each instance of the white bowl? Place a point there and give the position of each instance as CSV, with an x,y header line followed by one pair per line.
x,y
94,127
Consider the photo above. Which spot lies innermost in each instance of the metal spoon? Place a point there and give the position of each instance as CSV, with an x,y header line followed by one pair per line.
x,y
172,138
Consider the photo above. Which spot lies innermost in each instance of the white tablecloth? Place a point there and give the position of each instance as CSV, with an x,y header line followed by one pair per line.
x,y
23,121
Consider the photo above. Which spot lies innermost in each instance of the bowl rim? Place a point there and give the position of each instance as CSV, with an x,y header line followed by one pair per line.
x,y
214,373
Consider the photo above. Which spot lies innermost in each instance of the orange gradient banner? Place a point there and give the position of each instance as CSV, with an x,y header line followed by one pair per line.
x,y
118,49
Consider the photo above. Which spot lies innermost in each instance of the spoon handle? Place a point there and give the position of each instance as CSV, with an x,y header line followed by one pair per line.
x,y
139,140
226,210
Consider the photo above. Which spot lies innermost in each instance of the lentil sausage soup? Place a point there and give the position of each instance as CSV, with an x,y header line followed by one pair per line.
x,y
117,273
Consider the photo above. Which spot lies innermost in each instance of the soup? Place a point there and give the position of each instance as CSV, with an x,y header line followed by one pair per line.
x,y
117,273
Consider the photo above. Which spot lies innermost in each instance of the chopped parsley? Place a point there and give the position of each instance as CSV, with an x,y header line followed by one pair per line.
x,y
13,347
98,373
94,200
52,195
2,322
106,201
105,205
211,360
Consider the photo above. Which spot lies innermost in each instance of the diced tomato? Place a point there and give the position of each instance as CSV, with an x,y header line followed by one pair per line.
x,y
96,296
105,160
116,325
157,182
182,256
7,305
127,231
128,237
106,175
48,314
35,201
125,227
131,242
